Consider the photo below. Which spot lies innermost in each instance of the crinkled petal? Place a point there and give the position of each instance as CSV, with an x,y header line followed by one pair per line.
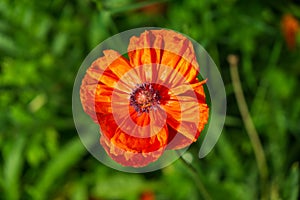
x,y
99,81
191,90
107,124
128,158
176,140
127,140
165,47
106,69
187,113
135,144
190,125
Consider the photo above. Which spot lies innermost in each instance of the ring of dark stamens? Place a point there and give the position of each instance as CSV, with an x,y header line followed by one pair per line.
x,y
144,98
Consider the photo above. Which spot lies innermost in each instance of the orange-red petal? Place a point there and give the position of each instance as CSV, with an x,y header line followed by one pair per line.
x,y
107,124
128,158
128,150
135,144
182,107
104,69
127,140
99,81
164,47
176,140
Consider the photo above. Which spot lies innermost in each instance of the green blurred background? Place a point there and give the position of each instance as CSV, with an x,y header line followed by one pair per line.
x,y
42,45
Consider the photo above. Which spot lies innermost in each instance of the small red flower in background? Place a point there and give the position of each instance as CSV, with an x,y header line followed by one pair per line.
x,y
153,9
148,103
147,195
290,28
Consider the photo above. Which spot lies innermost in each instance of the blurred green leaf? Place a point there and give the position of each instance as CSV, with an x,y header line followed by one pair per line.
x,y
116,7
118,186
7,45
56,167
291,184
80,192
12,169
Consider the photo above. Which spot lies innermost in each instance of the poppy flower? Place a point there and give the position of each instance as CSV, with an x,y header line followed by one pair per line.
x,y
147,195
290,27
157,8
147,103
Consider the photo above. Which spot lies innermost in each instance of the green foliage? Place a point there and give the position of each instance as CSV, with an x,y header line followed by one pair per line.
x,y
42,45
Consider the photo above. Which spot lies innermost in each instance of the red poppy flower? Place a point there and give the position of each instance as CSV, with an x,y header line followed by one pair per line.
x,y
148,103
290,27
147,195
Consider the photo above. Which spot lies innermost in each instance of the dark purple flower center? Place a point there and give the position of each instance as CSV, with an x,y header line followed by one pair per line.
x,y
144,98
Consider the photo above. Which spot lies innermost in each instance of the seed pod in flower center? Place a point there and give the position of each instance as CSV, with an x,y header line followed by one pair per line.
x,y
144,98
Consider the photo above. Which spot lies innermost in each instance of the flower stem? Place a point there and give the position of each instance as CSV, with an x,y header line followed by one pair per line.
x,y
249,125
197,180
